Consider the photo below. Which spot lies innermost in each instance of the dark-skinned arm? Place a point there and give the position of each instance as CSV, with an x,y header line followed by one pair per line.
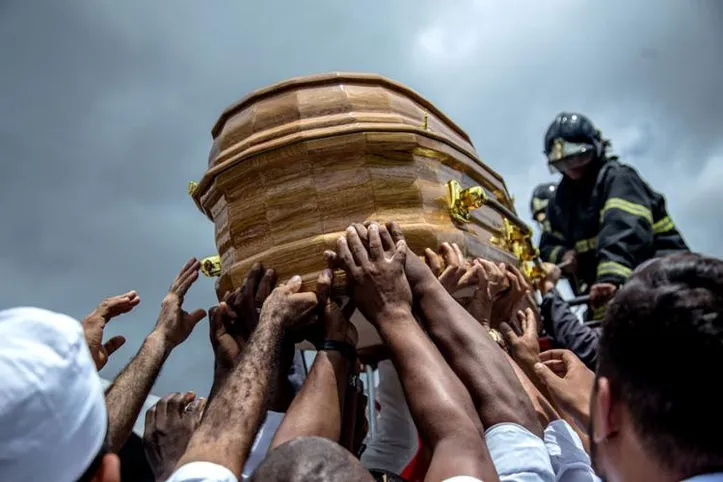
x,y
438,401
232,327
317,408
234,415
470,351
126,395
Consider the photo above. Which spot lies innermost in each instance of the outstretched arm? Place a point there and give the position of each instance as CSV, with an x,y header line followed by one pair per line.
x,y
318,407
470,351
438,402
234,415
130,389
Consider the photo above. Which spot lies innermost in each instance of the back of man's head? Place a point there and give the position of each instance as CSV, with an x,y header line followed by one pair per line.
x,y
311,459
52,411
662,351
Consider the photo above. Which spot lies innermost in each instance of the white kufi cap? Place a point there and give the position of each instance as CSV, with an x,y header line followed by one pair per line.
x,y
53,418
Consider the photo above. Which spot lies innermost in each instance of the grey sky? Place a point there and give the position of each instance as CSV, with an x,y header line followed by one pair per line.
x,y
107,109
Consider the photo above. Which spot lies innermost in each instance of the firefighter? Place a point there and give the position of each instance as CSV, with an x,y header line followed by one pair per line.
x,y
541,197
604,220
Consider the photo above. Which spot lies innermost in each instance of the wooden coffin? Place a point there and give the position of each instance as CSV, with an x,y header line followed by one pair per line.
x,y
292,165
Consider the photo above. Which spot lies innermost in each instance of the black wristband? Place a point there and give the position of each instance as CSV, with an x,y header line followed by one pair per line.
x,y
347,350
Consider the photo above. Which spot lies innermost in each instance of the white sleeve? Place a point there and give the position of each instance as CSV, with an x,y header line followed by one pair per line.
x,y
518,454
202,472
462,478
567,454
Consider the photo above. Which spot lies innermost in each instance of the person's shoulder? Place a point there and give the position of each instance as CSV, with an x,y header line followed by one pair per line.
x,y
613,168
615,175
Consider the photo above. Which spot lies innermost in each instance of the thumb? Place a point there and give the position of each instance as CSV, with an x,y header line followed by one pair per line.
x,y
197,315
215,319
547,376
508,333
294,284
113,344
401,252
433,261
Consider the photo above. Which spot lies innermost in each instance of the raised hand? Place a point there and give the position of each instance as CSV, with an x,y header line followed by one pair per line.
x,y
524,349
227,344
553,275
169,426
174,323
379,282
234,319
335,321
490,283
245,303
569,383
418,273
287,307
507,302
94,324
451,267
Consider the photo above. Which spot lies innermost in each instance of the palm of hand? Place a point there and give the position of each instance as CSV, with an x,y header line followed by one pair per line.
x,y
178,322
94,324
174,323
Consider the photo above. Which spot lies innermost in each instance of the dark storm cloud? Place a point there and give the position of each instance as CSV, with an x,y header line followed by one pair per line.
x,y
107,108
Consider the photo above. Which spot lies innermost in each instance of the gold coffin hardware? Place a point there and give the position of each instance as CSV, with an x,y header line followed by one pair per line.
x,y
192,187
463,201
211,266
515,236
519,242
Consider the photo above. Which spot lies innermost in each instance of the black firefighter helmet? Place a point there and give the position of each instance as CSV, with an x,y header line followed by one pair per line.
x,y
541,197
572,141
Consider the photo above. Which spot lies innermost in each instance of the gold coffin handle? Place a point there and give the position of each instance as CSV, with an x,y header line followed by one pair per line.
x,y
211,266
461,202
514,235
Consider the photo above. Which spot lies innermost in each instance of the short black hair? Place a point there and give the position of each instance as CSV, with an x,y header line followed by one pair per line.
x,y
661,348
310,459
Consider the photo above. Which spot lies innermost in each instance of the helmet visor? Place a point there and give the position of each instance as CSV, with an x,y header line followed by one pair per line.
x,y
568,155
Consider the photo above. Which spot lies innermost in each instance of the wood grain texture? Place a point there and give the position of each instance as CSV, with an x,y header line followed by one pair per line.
x,y
292,165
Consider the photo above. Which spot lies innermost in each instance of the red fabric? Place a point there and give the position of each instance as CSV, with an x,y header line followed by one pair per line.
x,y
416,470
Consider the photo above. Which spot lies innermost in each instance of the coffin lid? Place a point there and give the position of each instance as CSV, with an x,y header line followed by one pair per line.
x,y
332,78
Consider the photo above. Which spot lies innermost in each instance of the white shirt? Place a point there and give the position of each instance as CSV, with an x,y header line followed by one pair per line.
x,y
717,477
568,457
210,472
518,454
396,442
203,472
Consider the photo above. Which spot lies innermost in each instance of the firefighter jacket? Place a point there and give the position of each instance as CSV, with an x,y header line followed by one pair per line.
x,y
613,220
